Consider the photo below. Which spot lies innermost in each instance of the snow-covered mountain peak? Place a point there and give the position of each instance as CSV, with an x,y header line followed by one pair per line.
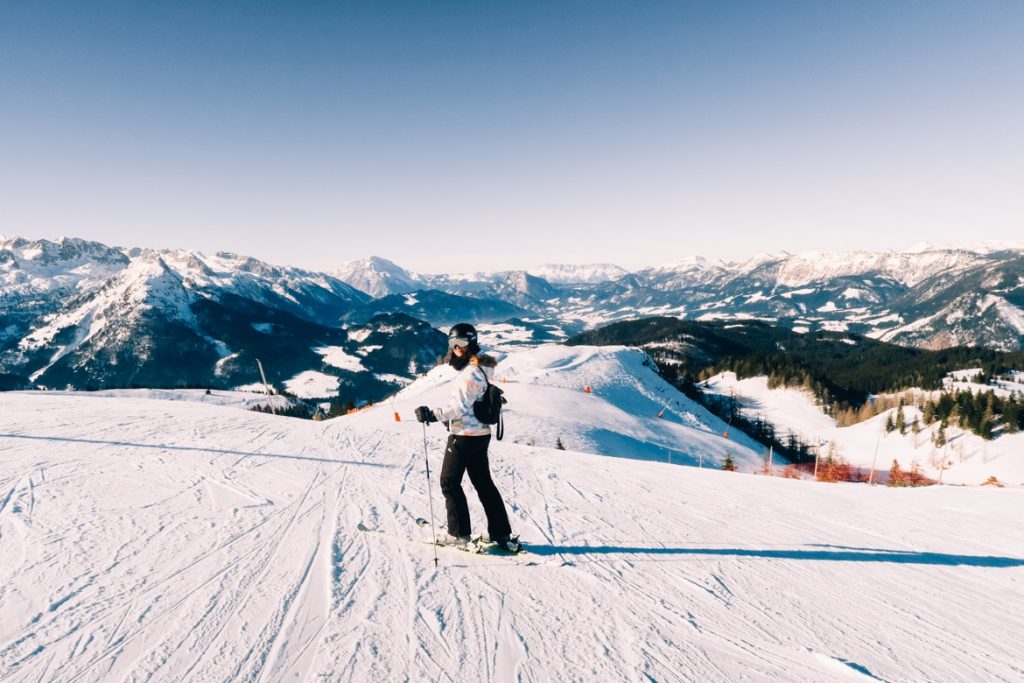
x,y
247,264
920,247
518,278
379,264
905,267
378,277
108,317
304,292
758,260
158,309
33,267
689,263
149,283
571,274
982,247
522,282
678,274
63,249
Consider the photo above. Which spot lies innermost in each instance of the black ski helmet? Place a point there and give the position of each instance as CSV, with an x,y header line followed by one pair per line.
x,y
463,335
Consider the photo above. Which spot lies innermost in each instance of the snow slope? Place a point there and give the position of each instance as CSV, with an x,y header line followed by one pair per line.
x,y
968,458
236,399
546,389
174,540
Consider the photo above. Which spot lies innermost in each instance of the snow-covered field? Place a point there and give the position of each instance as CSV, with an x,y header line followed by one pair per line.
x,y
245,399
968,458
313,384
962,380
176,540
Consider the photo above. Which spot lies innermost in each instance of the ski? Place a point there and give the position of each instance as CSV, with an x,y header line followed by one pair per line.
x,y
513,548
480,546
477,546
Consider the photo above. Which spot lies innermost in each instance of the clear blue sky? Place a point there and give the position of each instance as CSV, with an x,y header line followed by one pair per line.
x,y
484,135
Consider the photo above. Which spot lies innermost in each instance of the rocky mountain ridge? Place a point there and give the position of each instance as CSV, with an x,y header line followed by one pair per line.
x,y
82,315
926,297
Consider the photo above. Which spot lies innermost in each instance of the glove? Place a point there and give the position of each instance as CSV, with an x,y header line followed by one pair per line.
x,y
425,415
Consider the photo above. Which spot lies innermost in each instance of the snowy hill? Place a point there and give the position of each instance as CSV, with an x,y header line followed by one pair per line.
x,y
548,401
172,540
968,458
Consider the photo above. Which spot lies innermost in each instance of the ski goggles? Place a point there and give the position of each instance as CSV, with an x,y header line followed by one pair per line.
x,y
455,341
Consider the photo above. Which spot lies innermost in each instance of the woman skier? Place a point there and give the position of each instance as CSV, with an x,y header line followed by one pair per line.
x,y
467,444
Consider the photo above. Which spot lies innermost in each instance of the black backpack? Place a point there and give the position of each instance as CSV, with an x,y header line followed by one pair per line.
x,y
488,408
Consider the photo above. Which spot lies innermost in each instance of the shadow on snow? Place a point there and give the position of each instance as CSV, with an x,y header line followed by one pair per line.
x,y
813,553
200,449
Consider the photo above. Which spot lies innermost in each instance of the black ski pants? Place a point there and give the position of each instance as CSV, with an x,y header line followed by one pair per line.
x,y
469,454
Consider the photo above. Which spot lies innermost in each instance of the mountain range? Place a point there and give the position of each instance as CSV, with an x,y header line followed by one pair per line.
x,y
81,314
927,297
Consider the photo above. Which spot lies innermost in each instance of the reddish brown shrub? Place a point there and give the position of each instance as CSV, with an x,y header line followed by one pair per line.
x,y
791,472
900,477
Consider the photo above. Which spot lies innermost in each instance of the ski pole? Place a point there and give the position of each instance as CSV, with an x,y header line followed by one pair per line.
x,y
430,495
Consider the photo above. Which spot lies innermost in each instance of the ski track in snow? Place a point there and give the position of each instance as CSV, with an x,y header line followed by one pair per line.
x,y
149,542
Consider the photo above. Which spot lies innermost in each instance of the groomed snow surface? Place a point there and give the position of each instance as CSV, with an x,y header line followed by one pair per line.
x,y
240,398
182,541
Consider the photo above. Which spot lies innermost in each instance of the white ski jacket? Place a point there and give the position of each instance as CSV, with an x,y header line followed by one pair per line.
x,y
468,388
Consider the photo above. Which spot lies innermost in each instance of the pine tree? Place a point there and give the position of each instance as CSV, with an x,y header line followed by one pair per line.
x,y
729,465
1013,413
988,418
559,445
792,445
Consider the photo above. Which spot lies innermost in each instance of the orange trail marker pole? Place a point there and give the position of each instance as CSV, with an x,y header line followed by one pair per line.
x,y
398,418
663,409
